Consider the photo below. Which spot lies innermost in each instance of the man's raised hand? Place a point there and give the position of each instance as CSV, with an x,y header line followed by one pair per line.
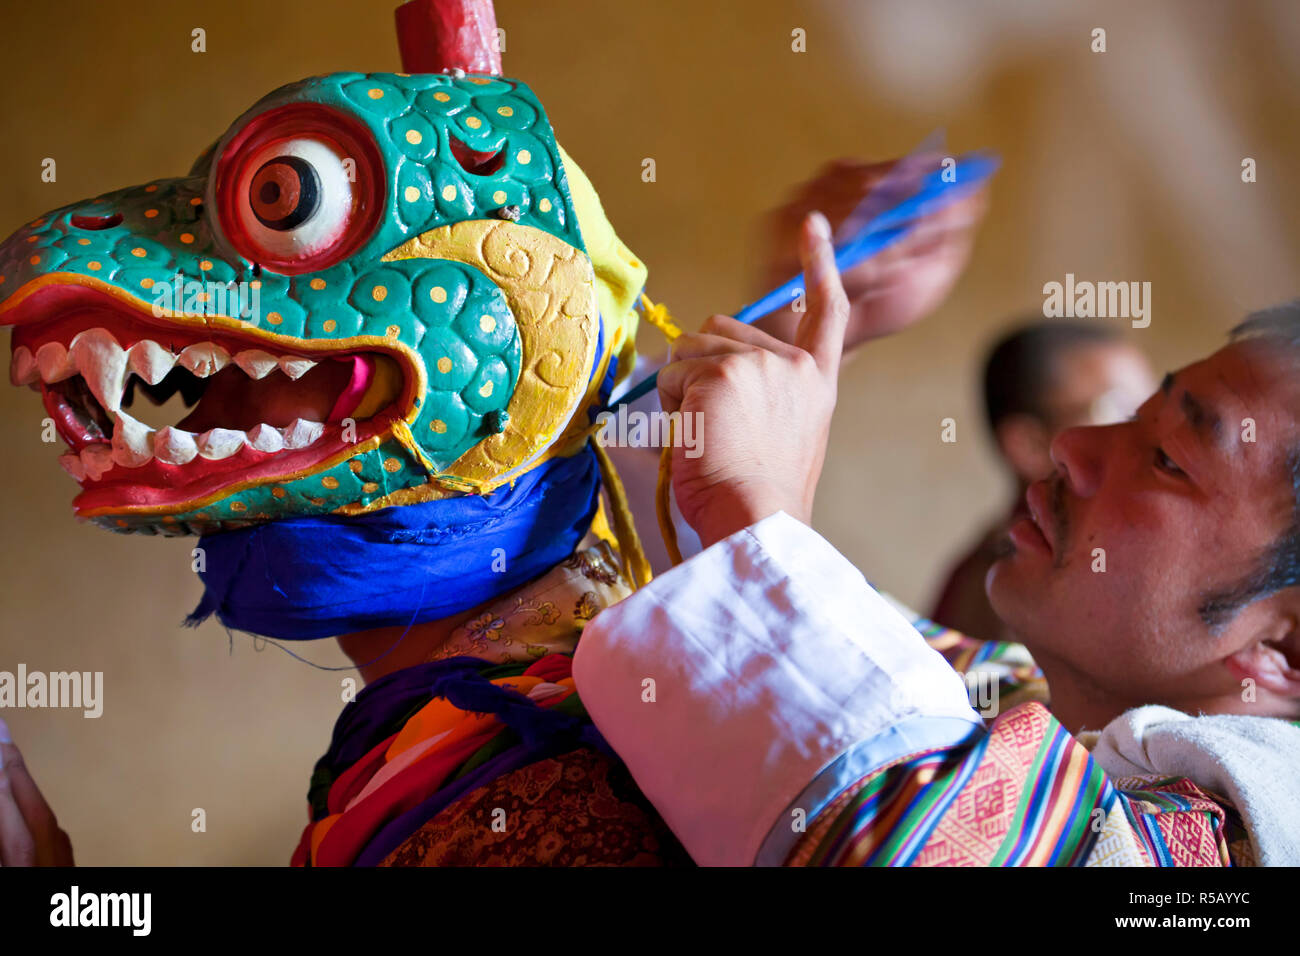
x,y
894,288
764,405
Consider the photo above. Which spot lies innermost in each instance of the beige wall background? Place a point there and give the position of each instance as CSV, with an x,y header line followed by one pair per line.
x,y
1117,166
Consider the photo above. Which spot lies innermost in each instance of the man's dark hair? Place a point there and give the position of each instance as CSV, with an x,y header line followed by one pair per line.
x,y
1022,367
1278,329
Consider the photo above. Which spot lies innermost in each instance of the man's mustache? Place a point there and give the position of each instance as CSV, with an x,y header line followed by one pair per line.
x,y
1060,518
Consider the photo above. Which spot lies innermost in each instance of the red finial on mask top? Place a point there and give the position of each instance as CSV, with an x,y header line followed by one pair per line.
x,y
438,35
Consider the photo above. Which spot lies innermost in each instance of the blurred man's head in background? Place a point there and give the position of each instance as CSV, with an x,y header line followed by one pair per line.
x,y
1046,376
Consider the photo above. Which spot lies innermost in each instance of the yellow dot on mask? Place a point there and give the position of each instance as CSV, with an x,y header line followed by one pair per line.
x,y
150,213
317,284
355,465
413,137
95,265
473,122
449,193
487,323
255,284
370,487
444,365
205,265
392,464
524,157
186,238
238,506
375,94
441,97
411,194
499,196
196,201
278,492
394,331
438,425
146,283
330,482
138,252
35,260
438,294
32,238
83,242
329,325
486,390
379,293
275,318
544,205
149,189
505,111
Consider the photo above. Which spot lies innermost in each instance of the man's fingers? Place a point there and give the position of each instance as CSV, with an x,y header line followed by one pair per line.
x,y
52,847
721,333
17,846
702,344
678,375
41,822
821,332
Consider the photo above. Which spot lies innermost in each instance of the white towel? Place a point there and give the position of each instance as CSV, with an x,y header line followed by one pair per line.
x,y
1254,762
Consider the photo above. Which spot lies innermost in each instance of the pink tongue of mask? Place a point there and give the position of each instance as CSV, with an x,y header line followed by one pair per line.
x,y
363,370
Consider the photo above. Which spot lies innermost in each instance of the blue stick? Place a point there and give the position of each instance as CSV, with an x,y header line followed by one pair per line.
x,y
879,233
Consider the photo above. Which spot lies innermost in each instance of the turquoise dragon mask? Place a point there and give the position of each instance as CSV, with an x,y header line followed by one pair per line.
x,y
402,252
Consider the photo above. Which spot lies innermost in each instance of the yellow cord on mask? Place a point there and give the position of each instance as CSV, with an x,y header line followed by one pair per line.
x,y
659,317
635,564
663,505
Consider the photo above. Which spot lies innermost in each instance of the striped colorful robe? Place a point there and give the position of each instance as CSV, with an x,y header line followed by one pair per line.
x,y
484,755
818,726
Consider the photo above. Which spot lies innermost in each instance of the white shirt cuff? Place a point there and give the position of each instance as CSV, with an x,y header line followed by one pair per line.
x,y
730,683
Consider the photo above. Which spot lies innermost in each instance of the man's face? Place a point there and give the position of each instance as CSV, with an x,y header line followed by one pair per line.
x,y
1174,505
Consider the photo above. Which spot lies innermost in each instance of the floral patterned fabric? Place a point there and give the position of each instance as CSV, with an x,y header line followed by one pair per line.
x,y
483,754
579,809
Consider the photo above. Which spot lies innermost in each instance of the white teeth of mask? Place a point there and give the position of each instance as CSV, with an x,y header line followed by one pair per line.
x,y
96,459
52,360
22,367
173,446
150,361
204,360
256,363
218,443
106,366
302,433
132,442
296,367
266,438
102,363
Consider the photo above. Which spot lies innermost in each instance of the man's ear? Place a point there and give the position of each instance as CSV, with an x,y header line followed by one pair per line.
x,y
1025,443
1272,661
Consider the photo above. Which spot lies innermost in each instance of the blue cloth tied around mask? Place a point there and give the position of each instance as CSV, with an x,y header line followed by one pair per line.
x,y
308,578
